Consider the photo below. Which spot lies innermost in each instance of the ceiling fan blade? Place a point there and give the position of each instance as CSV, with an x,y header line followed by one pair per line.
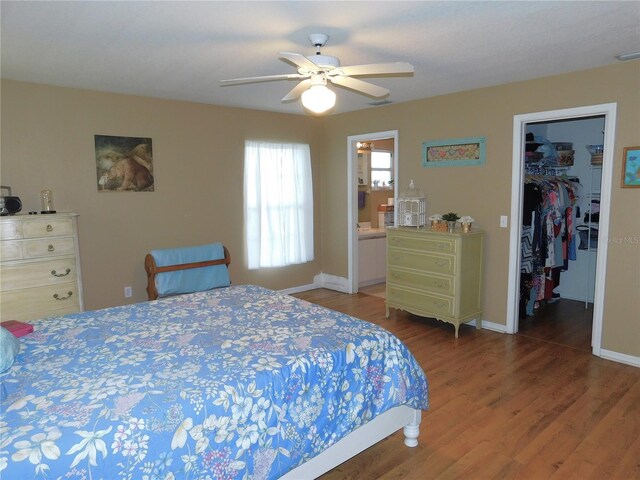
x,y
299,60
266,78
361,86
296,91
377,69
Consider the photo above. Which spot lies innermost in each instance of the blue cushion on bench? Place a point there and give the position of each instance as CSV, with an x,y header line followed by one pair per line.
x,y
192,279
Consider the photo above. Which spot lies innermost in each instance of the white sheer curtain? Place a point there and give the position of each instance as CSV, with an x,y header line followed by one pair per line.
x,y
278,195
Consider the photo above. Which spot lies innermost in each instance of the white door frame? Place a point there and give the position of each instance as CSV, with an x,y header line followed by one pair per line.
x,y
517,179
352,196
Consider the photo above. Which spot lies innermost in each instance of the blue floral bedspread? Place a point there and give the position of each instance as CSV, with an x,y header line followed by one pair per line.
x,y
238,382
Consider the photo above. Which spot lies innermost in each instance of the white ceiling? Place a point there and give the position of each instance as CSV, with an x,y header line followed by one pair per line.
x,y
181,50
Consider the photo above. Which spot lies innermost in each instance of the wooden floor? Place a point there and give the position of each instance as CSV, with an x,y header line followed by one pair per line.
x,y
565,322
502,406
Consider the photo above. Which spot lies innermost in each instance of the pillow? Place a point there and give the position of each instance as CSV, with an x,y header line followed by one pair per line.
x,y
9,348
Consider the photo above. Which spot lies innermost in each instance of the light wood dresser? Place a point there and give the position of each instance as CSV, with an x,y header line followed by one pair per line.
x,y
39,266
435,274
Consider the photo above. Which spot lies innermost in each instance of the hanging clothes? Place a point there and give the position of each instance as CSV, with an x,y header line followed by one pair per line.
x,y
548,236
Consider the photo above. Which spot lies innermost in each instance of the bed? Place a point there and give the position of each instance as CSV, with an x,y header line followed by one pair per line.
x,y
235,382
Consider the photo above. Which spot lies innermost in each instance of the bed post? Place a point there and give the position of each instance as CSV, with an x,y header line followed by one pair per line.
x,y
150,267
412,430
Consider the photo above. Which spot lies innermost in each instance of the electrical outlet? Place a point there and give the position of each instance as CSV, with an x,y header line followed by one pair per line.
x,y
504,221
128,292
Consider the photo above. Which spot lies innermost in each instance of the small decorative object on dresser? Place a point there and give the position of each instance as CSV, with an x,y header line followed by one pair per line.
x,y
46,197
39,266
435,274
451,218
412,207
466,221
435,219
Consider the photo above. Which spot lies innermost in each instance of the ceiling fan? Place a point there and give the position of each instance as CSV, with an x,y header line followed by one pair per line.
x,y
316,71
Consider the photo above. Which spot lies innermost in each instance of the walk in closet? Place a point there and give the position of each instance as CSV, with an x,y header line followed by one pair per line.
x,y
561,201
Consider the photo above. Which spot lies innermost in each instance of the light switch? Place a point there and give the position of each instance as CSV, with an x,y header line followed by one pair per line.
x,y
504,221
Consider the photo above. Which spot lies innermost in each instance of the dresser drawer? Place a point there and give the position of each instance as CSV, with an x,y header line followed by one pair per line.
x,y
421,281
10,250
443,264
10,229
51,227
421,303
37,302
422,242
36,274
48,247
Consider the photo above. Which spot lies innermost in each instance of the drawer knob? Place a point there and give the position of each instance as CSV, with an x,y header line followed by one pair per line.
x,y
49,228
51,249
441,263
58,297
442,246
55,274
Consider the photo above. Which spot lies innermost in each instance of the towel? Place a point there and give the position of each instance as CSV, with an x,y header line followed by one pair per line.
x,y
361,199
192,279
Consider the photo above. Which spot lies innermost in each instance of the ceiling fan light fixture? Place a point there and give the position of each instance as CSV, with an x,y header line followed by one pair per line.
x,y
628,56
318,99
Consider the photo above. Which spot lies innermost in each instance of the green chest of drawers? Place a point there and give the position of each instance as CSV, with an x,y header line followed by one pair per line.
x,y
435,274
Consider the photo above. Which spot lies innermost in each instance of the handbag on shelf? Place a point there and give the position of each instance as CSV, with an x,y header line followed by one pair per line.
x,y
588,237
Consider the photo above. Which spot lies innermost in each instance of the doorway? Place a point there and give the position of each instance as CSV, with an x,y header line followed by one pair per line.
x,y
352,196
608,112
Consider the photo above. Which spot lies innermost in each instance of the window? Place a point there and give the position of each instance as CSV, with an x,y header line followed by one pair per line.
x,y
278,195
381,169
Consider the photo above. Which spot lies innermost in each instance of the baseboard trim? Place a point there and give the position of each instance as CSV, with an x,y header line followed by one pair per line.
x,y
298,289
332,282
494,327
620,357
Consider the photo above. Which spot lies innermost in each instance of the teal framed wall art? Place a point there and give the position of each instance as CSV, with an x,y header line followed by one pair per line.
x,y
456,152
631,168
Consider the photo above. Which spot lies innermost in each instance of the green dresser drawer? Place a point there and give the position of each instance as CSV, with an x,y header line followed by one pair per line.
x,y
421,281
424,243
433,263
433,305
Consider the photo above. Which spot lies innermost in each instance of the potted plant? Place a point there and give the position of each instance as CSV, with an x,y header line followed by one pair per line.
x,y
451,218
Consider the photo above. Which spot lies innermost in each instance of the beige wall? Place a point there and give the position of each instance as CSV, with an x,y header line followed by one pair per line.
x,y
484,192
48,142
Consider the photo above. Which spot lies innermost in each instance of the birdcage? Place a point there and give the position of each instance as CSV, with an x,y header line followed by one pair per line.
x,y
412,208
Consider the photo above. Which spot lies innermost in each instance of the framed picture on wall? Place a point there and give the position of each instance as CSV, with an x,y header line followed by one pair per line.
x,y
454,152
631,167
124,164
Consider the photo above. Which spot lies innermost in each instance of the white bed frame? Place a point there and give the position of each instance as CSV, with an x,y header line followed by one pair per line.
x,y
367,435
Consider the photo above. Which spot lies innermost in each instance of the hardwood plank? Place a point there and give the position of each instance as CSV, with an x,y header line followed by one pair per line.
x,y
502,406
592,458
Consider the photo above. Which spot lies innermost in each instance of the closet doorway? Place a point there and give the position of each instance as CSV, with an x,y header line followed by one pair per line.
x,y
354,186
575,290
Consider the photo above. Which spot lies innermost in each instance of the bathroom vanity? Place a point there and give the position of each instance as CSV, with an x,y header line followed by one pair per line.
x,y
372,256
